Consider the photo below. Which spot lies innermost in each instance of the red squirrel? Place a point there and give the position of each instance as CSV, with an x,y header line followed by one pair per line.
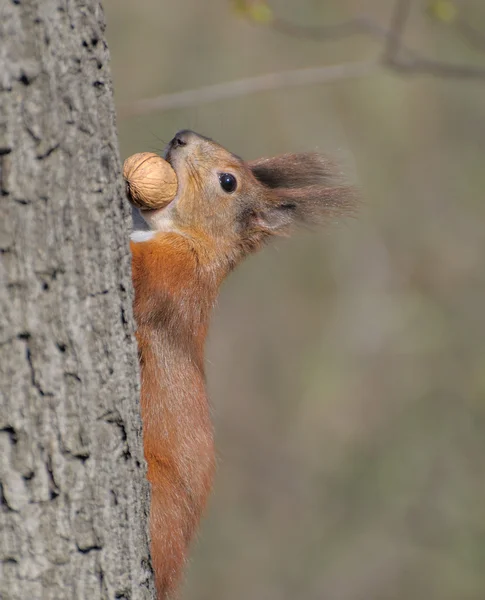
x,y
224,209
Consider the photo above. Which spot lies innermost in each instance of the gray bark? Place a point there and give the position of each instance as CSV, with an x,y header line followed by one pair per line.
x,y
74,499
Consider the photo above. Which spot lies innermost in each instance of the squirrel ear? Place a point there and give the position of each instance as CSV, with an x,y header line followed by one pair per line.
x,y
276,217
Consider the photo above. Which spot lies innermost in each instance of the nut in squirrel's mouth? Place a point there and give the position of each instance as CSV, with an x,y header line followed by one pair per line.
x,y
167,156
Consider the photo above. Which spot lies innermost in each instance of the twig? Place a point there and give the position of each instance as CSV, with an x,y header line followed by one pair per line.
x,y
436,68
250,85
475,38
399,18
414,63
396,56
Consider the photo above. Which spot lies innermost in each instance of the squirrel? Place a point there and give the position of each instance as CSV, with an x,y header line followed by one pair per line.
x,y
224,209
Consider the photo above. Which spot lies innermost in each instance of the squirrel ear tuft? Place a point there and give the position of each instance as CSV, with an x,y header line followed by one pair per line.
x,y
294,170
304,189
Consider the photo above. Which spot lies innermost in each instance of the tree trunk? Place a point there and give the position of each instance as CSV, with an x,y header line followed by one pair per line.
x,y
74,500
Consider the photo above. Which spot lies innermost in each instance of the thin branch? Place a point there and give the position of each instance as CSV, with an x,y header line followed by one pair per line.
x,y
396,56
415,63
475,38
250,85
436,68
400,15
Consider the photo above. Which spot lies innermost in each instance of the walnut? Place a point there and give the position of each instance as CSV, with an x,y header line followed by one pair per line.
x,y
151,181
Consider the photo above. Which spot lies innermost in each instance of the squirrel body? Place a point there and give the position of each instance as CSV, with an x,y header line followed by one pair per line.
x,y
225,208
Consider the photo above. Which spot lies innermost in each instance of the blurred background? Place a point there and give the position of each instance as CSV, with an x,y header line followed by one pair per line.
x,y
346,369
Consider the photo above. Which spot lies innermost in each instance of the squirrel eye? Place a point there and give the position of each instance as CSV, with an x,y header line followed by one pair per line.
x,y
228,182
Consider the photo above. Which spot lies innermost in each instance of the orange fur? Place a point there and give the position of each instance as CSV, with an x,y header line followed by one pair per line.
x,y
172,325
176,276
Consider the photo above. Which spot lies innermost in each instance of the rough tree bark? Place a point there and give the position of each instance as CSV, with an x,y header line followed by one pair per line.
x,y
73,494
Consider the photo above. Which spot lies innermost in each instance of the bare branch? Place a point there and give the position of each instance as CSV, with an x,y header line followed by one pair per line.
x,y
396,56
399,18
414,63
475,38
436,68
250,85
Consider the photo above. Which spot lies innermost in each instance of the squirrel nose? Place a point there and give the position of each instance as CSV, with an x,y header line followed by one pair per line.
x,y
178,141
182,138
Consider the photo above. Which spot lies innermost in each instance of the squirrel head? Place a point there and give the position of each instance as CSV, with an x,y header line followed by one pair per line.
x,y
233,206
